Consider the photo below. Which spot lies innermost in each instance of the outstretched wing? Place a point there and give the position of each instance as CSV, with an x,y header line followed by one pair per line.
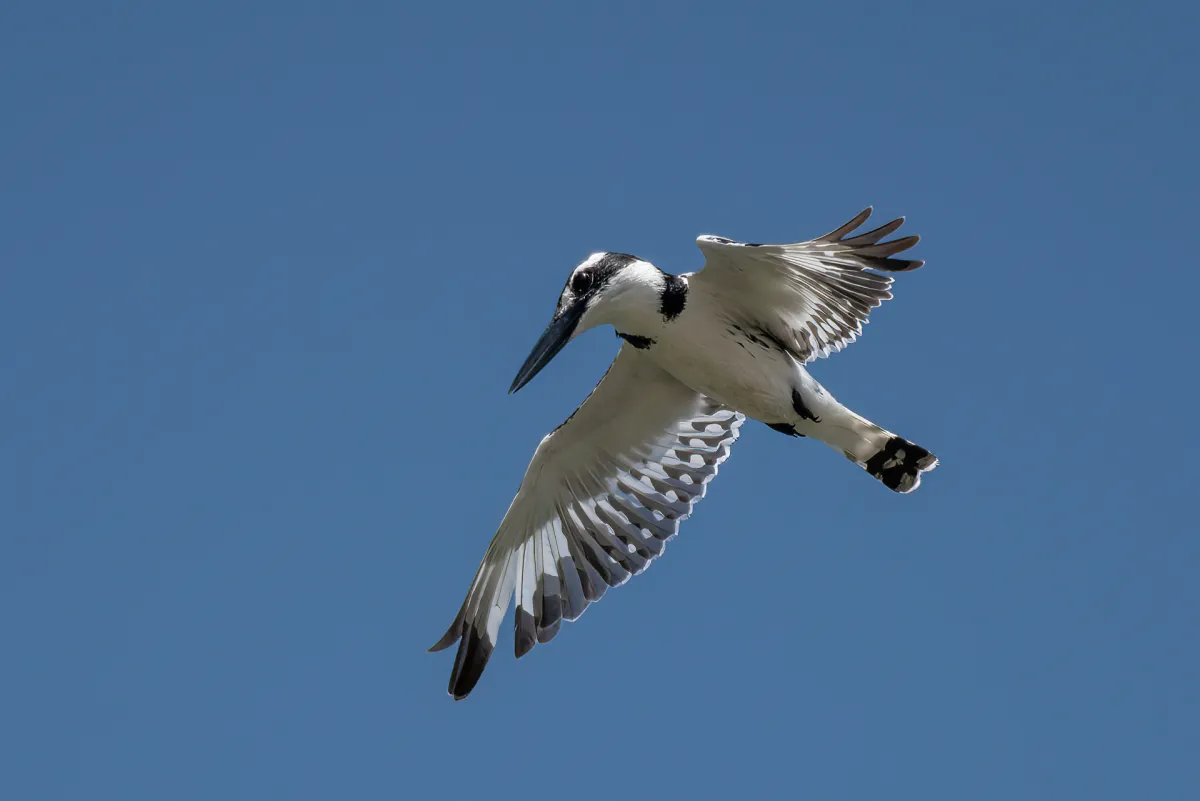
x,y
603,494
812,297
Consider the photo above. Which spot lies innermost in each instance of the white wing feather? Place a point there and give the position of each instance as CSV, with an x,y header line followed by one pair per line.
x,y
603,494
811,297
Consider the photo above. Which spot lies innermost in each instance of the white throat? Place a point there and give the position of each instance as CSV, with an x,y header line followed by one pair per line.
x,y
631,302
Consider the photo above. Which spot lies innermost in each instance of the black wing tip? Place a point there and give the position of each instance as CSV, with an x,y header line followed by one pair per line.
x,y
526,633
452,635
547,632
843,230
550,620
473,654
860,218
877,255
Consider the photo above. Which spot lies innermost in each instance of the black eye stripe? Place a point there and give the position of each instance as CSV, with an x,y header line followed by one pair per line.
x,y
596,273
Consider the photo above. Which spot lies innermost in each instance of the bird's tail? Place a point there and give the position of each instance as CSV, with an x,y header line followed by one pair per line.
x,y
900,463
893,460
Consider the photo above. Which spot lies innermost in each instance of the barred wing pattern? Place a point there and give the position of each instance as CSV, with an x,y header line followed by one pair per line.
x,y
604,493
811,297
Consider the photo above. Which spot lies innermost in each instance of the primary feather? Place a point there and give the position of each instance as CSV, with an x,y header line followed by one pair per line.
x,y
604,493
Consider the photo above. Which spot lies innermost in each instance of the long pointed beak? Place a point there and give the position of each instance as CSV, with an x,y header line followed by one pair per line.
x,y
556,335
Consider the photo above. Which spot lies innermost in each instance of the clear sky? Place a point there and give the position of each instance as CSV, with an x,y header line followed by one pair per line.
x,y
267,270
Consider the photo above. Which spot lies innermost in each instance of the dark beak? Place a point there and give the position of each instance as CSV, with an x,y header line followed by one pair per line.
x,y
556,335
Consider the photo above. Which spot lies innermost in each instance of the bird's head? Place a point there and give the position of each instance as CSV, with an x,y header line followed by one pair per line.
x,y
606,288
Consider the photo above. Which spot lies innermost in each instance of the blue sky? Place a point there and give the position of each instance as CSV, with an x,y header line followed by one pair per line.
x,y
265,275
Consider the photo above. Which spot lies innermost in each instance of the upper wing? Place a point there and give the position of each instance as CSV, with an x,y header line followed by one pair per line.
x,y
812,297
603,494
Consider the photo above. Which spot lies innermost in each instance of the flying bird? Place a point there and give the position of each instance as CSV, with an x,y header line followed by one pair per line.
x,y
702,352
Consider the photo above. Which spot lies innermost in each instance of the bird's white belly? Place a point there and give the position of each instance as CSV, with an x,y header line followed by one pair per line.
x,y
755,380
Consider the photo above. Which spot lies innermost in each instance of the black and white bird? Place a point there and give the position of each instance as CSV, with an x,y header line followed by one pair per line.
x,y
702,352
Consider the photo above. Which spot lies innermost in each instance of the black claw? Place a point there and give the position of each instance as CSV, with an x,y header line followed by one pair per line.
x,y
802,410
785,428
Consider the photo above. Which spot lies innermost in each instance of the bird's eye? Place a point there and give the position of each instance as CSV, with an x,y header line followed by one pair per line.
x,y
581,282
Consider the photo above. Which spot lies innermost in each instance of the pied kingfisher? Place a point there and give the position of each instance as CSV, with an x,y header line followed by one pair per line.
x,y
702,352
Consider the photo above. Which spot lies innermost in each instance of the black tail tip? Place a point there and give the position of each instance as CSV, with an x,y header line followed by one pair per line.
x,y
900,463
